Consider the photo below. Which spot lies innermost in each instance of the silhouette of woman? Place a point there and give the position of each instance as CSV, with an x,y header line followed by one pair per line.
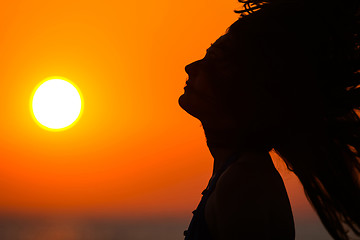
x,y
284,76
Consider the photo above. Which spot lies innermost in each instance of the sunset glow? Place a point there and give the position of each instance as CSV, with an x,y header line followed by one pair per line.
x,y
130,151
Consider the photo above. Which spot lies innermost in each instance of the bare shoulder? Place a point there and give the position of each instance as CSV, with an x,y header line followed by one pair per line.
x,y
249,171
250,202
251,178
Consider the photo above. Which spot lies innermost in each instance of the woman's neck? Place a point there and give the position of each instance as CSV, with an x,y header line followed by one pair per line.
x,y
226,142
220,155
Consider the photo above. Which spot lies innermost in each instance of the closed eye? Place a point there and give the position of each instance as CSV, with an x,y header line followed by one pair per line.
x,y
210,54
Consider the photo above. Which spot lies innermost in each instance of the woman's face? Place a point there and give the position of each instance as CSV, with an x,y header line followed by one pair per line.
x,y
200,98
220,89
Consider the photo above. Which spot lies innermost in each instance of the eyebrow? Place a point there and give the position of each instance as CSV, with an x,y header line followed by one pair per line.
x,y
214,47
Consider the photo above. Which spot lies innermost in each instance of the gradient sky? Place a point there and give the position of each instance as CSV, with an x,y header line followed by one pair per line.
x,y
134,152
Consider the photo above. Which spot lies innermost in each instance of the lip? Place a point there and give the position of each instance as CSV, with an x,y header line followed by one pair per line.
x,y
187,88
188,84
191,90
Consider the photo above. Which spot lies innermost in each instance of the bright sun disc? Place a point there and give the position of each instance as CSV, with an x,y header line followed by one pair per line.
x,y
56,104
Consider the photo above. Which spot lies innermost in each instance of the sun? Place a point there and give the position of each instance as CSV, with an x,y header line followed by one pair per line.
x,y
56,104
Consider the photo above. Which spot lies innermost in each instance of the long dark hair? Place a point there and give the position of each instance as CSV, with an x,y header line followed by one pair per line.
x,y
331,176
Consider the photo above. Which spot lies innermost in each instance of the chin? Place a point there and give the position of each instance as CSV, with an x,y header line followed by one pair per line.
x,y
185,103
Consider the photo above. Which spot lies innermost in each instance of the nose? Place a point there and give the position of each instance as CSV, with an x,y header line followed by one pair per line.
x,y
191,68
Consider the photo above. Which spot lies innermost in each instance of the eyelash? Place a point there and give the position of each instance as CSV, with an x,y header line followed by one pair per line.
x,y
210,55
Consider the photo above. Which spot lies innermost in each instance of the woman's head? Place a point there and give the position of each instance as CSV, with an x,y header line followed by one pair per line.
x,y
254,80
223,94
221,85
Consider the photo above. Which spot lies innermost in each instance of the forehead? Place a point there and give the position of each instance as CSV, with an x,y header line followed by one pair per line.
x,y
223,41
227,43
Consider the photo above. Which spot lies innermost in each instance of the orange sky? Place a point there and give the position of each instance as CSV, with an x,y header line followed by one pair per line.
x,y
134,151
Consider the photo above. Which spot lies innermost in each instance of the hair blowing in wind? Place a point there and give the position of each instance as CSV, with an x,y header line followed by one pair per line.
x,y
330,176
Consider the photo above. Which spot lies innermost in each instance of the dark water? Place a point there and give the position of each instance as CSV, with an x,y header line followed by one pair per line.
x,y
94,229
119,229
